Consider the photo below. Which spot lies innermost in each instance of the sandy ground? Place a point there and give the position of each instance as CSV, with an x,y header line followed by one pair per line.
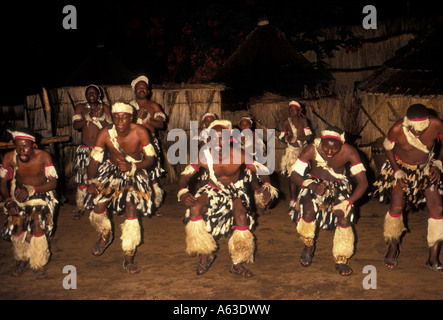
x,y
168,273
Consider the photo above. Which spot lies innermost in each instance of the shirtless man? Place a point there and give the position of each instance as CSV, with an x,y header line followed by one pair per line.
x,y
89,118
246,123
410,176
30,202
222,204
151,116
121,182
296,134
326,196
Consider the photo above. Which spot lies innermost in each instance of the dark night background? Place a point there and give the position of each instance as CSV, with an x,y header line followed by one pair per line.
x,y
170,41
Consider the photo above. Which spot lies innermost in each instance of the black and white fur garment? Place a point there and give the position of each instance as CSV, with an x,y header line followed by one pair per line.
x,y
81,164
42,214
335,192
157,171
219,217
118,188
417,179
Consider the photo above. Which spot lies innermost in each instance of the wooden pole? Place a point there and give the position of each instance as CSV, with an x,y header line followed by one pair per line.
x,y
48,116
10,144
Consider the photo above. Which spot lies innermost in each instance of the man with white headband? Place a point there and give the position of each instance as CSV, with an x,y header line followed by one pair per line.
x,y
151,116
222,205
326,199
250,145
296,133
120,182
203,133
30,202
89,118
410,177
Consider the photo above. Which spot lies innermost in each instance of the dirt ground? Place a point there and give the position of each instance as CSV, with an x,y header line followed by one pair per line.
x,y
168,273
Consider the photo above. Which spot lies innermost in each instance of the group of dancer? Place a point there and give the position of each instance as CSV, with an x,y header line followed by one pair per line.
x,y
119,165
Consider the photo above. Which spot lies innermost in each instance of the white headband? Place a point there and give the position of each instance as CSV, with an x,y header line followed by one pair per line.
x,y
418,124
225,124
208,114
295,104
247,119
94,86
122,107
137,80
21,135
329,134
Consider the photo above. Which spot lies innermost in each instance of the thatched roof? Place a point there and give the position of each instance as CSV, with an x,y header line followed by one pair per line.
x,y
416,69
266,61
100,67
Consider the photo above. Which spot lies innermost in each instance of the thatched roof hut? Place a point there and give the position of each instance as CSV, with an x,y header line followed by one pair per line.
x,y
413,75
265,61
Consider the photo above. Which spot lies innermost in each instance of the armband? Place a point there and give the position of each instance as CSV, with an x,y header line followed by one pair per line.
x,y
300,167
77,117
159,114
261,169
50,171
356,168
438,164
307,182
97,153
149,150
388,144
181,192
108,118
4,172
190,169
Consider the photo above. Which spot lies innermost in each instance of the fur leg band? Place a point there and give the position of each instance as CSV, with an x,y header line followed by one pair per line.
x,y
158,195
100,222
393,227
435,231
198,240
131,235
307,231
241,246
343,244
20,247
38,252
80,197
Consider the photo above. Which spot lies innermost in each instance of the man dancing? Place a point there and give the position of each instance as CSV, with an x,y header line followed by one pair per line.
x,y
151,116
411,176
30,202
326,196
89,118
296,134
222,203
121,182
